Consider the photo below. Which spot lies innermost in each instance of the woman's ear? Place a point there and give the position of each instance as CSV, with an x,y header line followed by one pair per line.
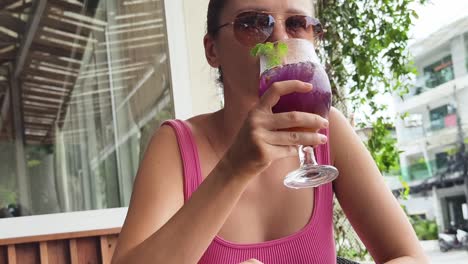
x,y
211,53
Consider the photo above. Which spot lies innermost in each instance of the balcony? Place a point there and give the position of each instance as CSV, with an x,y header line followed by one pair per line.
x,y
448,121
438,132
426,96
419,170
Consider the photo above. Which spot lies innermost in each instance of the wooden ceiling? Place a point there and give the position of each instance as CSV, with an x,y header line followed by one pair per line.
x,y
13,17
53,60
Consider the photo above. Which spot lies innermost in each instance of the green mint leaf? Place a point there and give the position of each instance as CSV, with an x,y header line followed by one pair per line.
x,y
282,49
274,53
256,50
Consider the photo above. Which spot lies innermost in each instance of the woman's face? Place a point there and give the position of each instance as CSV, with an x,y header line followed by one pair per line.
x,y
240,69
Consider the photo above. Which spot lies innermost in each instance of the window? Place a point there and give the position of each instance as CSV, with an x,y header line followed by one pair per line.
x,y
95,85
439,72
442,117
441,160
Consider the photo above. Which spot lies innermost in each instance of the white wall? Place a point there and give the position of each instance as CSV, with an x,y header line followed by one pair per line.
x,y
179,58
420,205
458,56
204,90
462,99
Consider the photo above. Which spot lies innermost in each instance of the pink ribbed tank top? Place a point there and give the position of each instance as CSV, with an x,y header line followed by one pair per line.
x,y
312,244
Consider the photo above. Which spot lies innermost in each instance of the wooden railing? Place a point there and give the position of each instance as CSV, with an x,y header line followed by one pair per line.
x,y
88,247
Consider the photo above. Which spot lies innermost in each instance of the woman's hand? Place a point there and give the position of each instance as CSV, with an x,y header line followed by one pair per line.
x,y
266,137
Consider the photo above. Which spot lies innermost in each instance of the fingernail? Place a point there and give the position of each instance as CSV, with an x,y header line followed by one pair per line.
x,y
325,124
323,139
309,85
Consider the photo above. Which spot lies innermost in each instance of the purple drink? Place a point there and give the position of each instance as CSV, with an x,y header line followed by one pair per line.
x,y
317,101
295,59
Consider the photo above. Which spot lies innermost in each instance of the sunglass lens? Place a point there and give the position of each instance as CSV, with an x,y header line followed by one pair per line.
x,y
299,27
252,28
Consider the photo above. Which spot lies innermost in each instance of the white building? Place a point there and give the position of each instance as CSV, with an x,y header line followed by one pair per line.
x,y
438,117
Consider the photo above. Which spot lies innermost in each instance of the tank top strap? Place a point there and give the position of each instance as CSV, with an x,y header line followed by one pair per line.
x,y
189,155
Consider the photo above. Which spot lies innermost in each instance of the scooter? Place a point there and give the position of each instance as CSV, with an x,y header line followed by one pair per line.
x,y
453,239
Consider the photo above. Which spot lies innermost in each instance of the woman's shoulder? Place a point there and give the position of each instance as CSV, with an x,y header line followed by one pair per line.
x,y
340,132
339,124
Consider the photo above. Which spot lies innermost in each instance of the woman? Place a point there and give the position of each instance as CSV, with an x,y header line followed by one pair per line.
x,y
210,189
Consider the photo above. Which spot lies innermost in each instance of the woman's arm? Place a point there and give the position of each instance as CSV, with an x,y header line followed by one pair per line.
x,y
370,206
155,227
161,228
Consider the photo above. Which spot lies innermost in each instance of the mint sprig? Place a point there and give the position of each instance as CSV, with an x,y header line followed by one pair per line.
x,y
274,52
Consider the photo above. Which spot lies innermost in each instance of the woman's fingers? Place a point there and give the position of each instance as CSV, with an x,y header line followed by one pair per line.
x,y
305,121
287,138
278,89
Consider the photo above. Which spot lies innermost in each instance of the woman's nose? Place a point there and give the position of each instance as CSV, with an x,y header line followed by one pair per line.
x,y
279,32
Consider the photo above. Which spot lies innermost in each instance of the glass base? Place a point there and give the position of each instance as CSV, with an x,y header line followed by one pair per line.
x,y
309,176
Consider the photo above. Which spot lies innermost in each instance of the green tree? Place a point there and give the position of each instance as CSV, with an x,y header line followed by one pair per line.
x,y
382,146
366,55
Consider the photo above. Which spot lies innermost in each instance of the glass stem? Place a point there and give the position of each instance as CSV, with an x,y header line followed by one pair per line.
x,y
307,156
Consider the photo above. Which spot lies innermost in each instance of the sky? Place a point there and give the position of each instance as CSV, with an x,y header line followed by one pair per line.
x,y
432,16
436,14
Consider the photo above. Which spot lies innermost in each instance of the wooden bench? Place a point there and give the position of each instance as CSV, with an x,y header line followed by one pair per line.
x,y
87,247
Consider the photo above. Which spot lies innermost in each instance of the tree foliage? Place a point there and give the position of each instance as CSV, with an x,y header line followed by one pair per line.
x,y
365,50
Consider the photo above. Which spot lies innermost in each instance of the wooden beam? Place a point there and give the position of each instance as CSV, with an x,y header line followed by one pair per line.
x,y
41,105
52,95
30,33
46,74
37,125
54,49
6,105
30,109
68,6
9,55
37,57
65,27
45,117
13,23
11,254
44,82
108,244
65,37
73,251
5,110
5,3
105,250
44,253
41,100
18,126
21,8
28,37
7,39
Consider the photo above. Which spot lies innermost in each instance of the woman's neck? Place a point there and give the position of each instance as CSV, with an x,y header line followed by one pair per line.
x,y
228,121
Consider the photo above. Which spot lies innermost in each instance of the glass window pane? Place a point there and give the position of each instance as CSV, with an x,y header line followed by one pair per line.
x,y
439,72
94,87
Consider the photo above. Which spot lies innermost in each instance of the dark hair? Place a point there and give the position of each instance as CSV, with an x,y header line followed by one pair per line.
x,y
212,20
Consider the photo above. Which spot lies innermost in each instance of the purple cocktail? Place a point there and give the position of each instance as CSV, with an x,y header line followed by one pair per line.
x,y
317,101
295,59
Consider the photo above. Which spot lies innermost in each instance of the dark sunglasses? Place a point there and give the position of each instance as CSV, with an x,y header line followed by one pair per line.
x,y
252,27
